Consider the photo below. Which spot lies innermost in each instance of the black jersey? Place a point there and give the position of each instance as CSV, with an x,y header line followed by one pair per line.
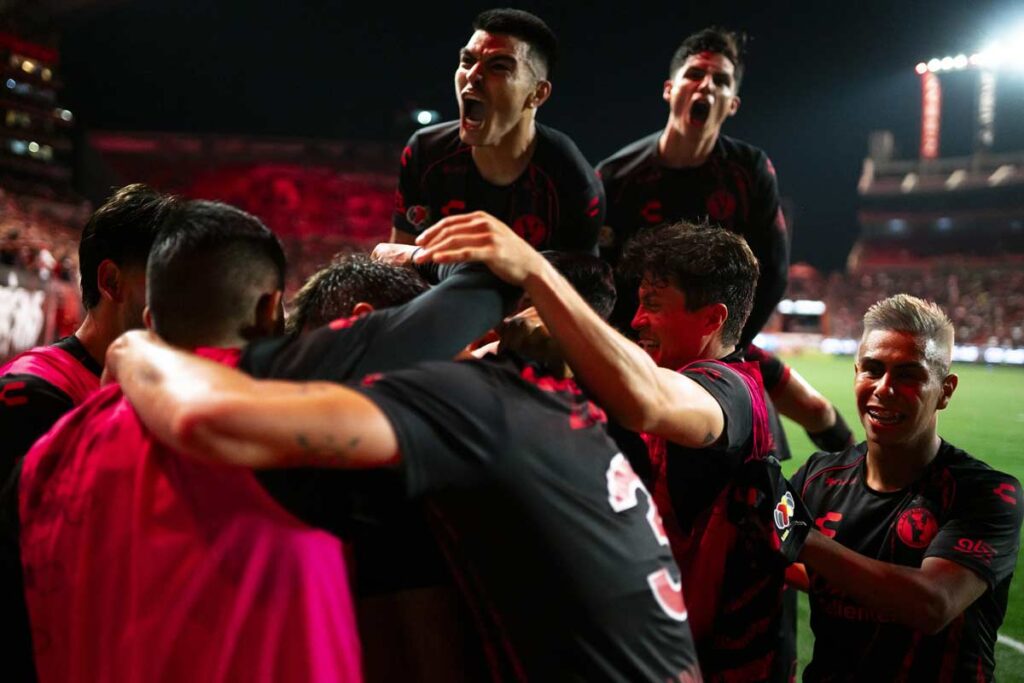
x,y
37,393
735,188
960,510
733,583
557,202
556,541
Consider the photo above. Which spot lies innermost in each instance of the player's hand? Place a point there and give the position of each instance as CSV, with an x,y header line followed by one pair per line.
x,y
393,254
526,334
123,351
479,236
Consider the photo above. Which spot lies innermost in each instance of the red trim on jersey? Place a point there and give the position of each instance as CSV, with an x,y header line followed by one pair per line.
x,y
818,474
58,367
951,649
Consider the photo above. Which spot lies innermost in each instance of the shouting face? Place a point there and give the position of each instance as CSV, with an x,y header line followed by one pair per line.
x,y
702,93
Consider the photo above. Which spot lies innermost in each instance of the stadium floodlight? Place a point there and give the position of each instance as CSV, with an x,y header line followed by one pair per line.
x,y
921,68
425,116
1005,53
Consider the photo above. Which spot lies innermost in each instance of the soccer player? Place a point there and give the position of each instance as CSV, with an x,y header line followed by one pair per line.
x,y
685,385
497,157
140,563
40,385
916,540
556,542
690,171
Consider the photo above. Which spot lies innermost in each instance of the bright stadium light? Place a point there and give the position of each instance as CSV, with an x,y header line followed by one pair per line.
x,y
425,116
921,68
934,65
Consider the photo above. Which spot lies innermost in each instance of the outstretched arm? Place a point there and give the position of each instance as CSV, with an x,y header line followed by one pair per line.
x,y
925,598
617,372
213,412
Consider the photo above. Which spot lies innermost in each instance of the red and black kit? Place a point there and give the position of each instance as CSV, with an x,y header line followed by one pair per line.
x,y
735,189
960,510
555,541
557,202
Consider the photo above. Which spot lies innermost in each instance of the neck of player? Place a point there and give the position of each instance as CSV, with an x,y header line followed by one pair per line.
x,y
96,336
684,149
893,467
503,163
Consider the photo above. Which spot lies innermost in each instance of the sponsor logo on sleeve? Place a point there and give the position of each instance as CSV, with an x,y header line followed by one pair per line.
x,y
784,511
977,549
417,215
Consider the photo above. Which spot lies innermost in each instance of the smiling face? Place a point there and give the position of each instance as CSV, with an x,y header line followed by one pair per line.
x,y
496,86
702,93
898,391
671,335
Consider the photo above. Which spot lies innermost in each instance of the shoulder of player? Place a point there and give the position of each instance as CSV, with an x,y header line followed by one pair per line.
x,y
629,158
823,465
556,148
970,473
22,388
436,140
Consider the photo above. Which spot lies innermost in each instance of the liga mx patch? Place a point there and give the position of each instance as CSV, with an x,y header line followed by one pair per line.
x,y
784,511
417,215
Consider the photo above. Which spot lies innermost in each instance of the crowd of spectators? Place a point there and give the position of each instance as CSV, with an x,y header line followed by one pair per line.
x,y
40,236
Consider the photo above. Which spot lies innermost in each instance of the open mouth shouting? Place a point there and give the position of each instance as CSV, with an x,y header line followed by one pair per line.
x,y
474,111
699,111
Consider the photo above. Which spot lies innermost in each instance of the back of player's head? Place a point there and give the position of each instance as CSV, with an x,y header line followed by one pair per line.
x,y
210,268
528,28
121,230
333,291
925,320
591,277
714,39
707,263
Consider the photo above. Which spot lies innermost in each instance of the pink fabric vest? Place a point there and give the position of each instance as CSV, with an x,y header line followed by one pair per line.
x,y
701,553
56,366
143,565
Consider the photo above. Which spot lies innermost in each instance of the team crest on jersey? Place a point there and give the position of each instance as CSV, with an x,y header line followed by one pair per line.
x,y
784,511
417,215
721,205
917,527
532,229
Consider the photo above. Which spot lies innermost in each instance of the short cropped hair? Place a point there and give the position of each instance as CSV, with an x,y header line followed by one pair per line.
x,y
209,267
527,27
121,230
333,291
591,277
715,39
925,320
707,263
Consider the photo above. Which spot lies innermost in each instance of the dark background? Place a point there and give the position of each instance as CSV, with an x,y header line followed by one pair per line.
x,y
820,76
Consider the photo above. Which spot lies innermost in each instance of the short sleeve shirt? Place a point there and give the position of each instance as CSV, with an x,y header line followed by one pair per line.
x,y
557,202
960,510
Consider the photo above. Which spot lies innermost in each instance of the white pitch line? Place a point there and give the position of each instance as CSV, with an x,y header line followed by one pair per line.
x,y
1010,642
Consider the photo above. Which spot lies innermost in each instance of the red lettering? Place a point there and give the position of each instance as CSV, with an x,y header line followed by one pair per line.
x,y
820,522
668,593
453,206
1007,492
12,401
652,211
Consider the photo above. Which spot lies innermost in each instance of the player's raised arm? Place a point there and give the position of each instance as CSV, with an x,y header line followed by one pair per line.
x,y
617,372
212,412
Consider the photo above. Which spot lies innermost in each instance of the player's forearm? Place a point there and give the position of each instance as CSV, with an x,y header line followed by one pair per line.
x,y
617,372
902,593
802,403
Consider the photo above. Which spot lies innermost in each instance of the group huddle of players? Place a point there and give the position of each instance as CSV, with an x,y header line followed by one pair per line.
x,y
588,491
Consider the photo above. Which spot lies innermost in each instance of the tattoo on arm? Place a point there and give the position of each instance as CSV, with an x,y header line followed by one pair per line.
x,y
328,447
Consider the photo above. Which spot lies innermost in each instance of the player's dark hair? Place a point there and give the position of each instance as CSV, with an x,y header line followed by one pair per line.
x,y
332,292
708,264
591,277
208,269
729,44
121,230
527,27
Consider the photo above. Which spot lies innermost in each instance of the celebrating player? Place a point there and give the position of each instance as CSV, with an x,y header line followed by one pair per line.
x,y
916,543
497,157
690,171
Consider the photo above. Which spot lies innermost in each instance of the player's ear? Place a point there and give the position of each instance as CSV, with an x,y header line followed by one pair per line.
x,y
540,95
269,316
362,308
714,317
666,92
147,318
949,385
109,281
734,106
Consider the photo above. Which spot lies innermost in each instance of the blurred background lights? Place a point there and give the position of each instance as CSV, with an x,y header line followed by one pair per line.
x,y
425,116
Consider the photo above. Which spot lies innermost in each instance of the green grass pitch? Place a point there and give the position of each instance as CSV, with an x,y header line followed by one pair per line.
x,y
985,418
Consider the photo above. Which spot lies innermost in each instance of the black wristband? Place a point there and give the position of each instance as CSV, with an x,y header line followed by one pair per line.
x,y
836,438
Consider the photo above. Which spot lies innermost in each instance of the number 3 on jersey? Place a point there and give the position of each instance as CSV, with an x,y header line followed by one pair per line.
x,y
623,487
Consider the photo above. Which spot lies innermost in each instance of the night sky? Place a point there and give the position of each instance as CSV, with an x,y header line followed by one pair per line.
x,y
819,77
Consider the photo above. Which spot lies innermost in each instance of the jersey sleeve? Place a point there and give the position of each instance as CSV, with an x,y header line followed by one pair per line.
x,y
982,532
29,407
731,392
410,214
767,236
448,421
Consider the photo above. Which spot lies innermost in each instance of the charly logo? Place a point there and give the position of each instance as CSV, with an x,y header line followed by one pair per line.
x,y
917,527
